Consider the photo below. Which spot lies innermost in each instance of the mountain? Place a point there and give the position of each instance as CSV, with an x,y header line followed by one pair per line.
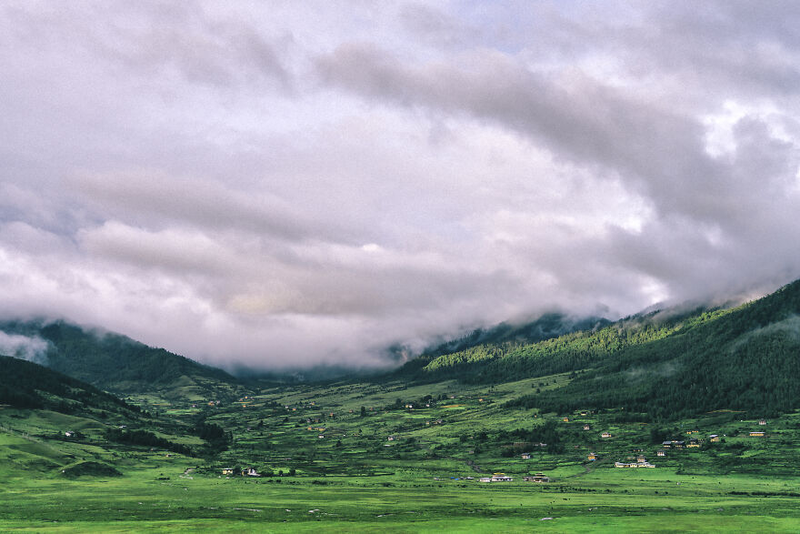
x,y
458,357
746,358
28,385
668,364
121,365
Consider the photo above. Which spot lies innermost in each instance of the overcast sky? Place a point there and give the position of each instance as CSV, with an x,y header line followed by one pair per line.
x,y
291,183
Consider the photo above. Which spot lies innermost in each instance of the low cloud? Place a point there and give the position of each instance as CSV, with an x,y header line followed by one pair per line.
x,y
32,349
253,187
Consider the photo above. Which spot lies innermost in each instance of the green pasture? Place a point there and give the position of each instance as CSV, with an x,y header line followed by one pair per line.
x,y
618,500
355,479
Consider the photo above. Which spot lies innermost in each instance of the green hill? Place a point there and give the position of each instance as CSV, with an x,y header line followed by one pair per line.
x,y
747,358
467,357
668,364
119,364
28,385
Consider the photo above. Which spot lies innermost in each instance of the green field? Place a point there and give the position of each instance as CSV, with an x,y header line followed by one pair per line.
x,y
445,436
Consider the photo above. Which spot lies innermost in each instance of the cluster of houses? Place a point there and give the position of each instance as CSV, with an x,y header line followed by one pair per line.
x,y
538,477
641,461
247,472
502,477
497,477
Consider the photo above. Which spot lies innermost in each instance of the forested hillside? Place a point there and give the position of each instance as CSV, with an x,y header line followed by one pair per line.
x,y
746,359
116,363
467,356
669,364
28,385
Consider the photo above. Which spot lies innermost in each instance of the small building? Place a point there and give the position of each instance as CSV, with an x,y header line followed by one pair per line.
x,y
587,427
250,472
693,443
485,479
227,471
526,456
501,477
713,438
757,434
69,434
592,457
661,453
538,477
678,444
390,438
634,465
666,444
566,419
605,435
762,422
641,459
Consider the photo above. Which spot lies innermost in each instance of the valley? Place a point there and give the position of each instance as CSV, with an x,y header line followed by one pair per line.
x,y
612,433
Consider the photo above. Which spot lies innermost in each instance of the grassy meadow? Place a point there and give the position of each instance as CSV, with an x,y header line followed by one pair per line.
x,y
398,458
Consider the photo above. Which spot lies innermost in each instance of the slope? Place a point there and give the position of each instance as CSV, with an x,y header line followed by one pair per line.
x,y
745,359
119,364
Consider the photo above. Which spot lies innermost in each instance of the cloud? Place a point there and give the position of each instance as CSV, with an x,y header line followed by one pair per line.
x,y
33,349
253,186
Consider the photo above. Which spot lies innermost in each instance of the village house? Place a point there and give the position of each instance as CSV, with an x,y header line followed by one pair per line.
x,y
678,444
661,453
69,434
390,438
592,457
485,479
633,465
757,434
566,419
250,472
587,427
605,435
694,443
501,477
227,471
641,459
762,422
538,477
526,456
714,438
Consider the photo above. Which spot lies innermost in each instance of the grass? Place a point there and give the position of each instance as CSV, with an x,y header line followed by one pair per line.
x,y
355,479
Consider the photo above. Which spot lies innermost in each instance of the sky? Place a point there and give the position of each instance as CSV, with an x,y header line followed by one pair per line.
x,y
281,184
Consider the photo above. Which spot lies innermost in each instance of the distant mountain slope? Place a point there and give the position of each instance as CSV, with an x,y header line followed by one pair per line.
x,y
458,357
28,385
747,358
669,364
116,363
